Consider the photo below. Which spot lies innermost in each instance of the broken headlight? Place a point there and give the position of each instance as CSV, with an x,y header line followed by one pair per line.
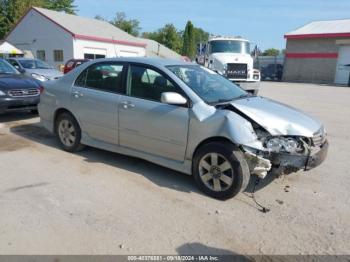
x,y
283,144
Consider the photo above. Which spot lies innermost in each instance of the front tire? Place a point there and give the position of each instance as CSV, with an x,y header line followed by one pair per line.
x,y
220,170
68,133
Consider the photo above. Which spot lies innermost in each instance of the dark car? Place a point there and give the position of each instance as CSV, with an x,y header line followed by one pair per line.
x,y
17,91
73,63
272,72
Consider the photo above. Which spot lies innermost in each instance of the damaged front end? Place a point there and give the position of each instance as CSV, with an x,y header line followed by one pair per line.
x,y
282,152
286,154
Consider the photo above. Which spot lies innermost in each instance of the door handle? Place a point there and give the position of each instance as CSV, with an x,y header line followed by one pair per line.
x,y
77,94
127,104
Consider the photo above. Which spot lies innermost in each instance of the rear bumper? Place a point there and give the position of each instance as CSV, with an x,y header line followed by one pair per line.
x,y
9,104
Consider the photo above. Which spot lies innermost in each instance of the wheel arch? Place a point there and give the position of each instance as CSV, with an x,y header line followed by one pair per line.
x,y
211,140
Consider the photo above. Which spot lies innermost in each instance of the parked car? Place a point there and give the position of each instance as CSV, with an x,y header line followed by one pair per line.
x,y
272,72
35,68
182,116
73,63
17,92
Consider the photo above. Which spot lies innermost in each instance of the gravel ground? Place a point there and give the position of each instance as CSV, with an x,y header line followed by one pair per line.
x,y
97,202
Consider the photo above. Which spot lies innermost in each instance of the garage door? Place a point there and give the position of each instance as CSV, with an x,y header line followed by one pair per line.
x,y
343,65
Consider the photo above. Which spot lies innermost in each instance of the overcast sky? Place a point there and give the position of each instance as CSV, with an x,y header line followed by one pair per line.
x,y
264,22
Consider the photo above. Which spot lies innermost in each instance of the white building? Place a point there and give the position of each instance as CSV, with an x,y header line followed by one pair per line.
x,y
56,37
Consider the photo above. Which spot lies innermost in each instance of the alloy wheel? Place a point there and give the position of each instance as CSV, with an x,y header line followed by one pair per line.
x,y
216,172
67,133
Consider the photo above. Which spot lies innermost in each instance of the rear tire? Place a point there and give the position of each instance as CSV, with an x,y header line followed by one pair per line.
x,y
220,170
68,133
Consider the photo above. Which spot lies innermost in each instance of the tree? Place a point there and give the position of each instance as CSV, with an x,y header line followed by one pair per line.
x,y
168,36
66,6
200,35
189,46
271,52
131,26
12,10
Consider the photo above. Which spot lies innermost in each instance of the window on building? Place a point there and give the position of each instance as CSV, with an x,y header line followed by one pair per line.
x,y
58,55
103,76
40,54
148,84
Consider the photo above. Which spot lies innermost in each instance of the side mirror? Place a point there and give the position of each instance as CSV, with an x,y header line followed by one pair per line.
x,y
173,98
21,70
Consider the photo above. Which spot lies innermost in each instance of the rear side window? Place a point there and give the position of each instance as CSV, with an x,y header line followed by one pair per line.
x,y
102,76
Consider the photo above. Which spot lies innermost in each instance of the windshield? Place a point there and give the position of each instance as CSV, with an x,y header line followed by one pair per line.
x,y
6,68
229,46
208,85
34,64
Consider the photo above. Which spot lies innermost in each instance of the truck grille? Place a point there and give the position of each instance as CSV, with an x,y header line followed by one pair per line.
x,y
319,137
24,92
237,71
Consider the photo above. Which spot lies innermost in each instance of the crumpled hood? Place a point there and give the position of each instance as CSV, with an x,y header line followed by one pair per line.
x,y
278,118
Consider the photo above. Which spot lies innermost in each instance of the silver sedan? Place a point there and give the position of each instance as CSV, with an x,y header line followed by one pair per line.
x,y
181,116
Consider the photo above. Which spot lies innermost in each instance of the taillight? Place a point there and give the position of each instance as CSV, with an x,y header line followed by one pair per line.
x,y
41,89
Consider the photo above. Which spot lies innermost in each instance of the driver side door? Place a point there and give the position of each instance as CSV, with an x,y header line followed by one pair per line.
x,y
145,123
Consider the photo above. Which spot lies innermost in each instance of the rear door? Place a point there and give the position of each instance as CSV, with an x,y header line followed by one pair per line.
x,y
146,124
95,97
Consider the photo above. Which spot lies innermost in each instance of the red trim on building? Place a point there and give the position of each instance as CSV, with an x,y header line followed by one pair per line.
x,y
107,40
307,36
312,55
82,37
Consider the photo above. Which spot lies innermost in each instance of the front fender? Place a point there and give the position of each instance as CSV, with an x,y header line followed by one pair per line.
x,y
208,122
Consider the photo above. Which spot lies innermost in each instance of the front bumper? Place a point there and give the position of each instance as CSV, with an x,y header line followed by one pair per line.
x,y
9,104
289,163
283,163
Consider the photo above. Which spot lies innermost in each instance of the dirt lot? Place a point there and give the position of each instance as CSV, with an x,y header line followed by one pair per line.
x,y
97,202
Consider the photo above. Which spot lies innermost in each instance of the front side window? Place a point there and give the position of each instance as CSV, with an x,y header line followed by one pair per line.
x,y
106,77
147,83
208,85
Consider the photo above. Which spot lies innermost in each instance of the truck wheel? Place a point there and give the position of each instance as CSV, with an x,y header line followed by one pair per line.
x,y
220,170
68,133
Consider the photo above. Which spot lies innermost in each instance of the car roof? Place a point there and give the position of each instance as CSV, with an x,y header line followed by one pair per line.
x,y
147,60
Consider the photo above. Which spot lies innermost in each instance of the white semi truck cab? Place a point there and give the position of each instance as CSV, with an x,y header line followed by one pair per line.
x,y
230,57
